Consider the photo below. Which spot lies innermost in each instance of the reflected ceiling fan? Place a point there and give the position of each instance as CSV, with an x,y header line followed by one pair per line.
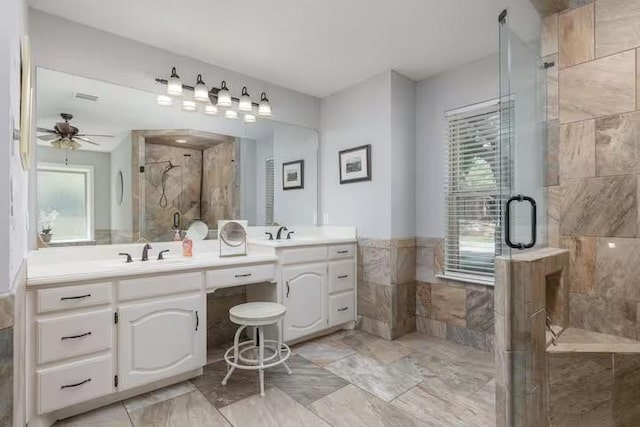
x,y
65,136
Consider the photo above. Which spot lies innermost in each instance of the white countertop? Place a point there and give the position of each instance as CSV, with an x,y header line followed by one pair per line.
x,y
301,241
39,274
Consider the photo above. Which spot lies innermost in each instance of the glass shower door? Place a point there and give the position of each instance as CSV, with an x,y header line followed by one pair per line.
x,y
522,142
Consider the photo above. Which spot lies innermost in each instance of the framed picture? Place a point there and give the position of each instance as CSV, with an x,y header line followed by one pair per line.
x,y
293,175
355,164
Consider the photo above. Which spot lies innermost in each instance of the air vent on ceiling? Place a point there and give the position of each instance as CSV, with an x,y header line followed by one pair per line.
x,y
85,96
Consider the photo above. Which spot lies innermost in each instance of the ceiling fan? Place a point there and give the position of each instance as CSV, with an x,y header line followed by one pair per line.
x,y
64,135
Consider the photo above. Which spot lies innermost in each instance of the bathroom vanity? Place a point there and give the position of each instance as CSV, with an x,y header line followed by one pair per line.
x,y
102,330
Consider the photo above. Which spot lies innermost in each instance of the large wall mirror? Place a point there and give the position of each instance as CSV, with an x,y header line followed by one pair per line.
x,y
142,170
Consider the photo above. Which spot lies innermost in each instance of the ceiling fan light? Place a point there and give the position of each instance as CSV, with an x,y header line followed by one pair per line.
x,y
174,84
200,92
189,106
165,100
224,96
245,101
249,118
230,114
264,108
211,110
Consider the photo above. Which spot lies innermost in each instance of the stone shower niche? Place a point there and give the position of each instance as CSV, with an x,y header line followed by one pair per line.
x,y
556,308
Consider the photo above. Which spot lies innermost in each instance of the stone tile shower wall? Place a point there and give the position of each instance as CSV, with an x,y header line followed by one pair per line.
x,y
594,159
460,312
386,286
6,358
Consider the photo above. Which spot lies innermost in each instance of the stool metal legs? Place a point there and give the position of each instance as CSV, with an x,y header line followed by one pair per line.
x,y
236,341
261,358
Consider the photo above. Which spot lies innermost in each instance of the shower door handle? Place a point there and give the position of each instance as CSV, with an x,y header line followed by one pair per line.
x,y
534,225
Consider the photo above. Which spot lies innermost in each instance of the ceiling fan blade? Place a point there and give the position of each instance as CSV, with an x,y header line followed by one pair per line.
x,y
46,130
48,137
95,134
86,140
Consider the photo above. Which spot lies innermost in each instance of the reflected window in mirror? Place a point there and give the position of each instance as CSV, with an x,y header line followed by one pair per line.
x,y
65,203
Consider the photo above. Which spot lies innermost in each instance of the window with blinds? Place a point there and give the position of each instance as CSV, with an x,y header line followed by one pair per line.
x,y
269,183
477,171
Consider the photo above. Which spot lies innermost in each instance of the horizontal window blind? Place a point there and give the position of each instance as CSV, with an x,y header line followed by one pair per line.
x,y
477,175
269,190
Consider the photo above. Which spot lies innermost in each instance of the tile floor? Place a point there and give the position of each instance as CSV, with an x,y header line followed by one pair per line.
x,y
349,378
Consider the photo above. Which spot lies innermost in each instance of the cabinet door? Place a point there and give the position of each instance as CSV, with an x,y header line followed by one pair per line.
x,y
305,296
160,339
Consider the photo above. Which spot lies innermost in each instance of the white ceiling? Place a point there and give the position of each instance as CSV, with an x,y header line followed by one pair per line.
x,y
317,47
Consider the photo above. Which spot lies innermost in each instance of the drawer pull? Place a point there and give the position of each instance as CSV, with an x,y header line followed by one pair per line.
x,y
75,336
76,297
243,275
343,309
76,384
343,252
344,276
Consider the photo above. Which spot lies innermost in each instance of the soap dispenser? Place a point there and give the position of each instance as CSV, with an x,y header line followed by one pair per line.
x,y
177,237
187,246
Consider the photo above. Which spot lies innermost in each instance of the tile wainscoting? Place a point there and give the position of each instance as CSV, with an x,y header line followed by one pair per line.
x,y
592,173
386,286
460,312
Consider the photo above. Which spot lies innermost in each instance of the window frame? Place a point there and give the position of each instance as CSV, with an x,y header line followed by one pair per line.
x,y
454,191
88,171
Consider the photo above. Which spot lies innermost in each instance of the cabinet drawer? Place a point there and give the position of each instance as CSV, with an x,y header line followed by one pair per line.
x,y
240,275
341,308
342,275
75,335
342,251
298,255
159,285
76,382
70,297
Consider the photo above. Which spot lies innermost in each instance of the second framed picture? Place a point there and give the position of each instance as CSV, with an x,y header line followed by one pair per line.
x,y
355,164
293,175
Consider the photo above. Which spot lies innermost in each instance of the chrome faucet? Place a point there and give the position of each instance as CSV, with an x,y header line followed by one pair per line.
x,y
145,252
280,230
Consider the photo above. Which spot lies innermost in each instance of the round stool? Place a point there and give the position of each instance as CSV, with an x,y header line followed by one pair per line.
x,y
257,315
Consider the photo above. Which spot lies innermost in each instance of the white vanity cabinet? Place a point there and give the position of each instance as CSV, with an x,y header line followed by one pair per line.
x,y
305,296
159,339
318,288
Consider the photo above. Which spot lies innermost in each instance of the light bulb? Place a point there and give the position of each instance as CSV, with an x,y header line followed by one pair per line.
x,y
249,118
165,101
211,110
230,114
189,106
245,101
264,109
224,96
174,85
200,91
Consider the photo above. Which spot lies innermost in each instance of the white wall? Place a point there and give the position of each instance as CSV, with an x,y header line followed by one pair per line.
x,y
122,215
468,84
101,182
13,180
299,206
403,151
357,116
67,46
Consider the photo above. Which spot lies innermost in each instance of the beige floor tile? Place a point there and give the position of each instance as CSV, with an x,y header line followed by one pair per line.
x,y
157,396
276,409
353,407
191,410
109,416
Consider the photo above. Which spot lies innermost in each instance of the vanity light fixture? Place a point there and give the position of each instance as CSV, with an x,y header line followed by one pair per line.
x,y
230,114
245,101
189,106
211,110
249,118
264,109
174,84
200,91
165,101
224,96
181,141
